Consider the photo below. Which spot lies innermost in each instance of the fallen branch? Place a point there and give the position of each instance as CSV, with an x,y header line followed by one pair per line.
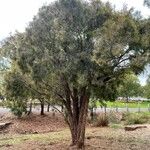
x,y
134,128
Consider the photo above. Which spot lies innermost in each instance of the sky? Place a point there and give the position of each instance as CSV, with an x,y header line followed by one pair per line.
x,y
16,14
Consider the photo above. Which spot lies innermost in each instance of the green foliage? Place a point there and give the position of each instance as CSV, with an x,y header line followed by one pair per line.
x,y
147,3
130,87
74,49
136,118
17,107
15,86
147,88
91,46
17,93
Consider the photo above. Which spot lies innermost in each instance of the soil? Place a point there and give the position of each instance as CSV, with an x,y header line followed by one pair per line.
x,y
105,138
33,123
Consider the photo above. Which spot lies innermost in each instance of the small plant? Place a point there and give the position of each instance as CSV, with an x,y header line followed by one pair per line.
x,y
136,118
114,117
101,121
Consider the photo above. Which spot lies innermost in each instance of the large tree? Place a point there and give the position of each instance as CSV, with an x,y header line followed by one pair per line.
x,y
74,47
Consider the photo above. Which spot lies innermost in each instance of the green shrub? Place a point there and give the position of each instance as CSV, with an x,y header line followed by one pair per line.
x,y
101,121
17,107
136,118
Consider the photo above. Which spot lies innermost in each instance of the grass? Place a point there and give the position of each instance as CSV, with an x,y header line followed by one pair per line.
x,y
110,134
116,126
136,118
120,104
51,137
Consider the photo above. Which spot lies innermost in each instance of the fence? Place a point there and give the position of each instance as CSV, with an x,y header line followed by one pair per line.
x,y
123,109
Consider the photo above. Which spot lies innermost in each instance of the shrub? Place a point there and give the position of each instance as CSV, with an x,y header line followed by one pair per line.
x,y
114,117
136,118
17,107
101,121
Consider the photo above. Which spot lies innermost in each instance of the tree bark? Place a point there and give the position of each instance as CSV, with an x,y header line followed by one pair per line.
x,y
42,107
30,108
77,113
48,106
92,114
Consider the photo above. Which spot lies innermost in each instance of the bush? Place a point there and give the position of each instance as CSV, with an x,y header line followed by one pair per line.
x,y
136,118
101,121
17,107
114,117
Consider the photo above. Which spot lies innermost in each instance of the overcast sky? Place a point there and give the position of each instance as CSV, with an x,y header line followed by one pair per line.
x,y
15,14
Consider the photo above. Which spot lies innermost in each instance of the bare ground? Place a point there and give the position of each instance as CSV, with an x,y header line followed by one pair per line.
x,y
51,133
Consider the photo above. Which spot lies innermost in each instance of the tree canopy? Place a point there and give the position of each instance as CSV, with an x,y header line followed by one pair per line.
x,y
74,47
130,87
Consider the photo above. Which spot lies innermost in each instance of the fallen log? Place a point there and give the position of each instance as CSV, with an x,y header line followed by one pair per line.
x,y
4,125
134,128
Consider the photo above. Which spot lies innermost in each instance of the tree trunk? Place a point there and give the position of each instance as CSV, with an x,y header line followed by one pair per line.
x,y
92,114
48,106
78,129
127,99
30,108
77,113
42,107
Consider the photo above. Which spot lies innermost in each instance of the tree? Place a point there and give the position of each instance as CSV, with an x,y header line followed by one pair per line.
x,y
147,3
147,88
130,87
16,93
73,47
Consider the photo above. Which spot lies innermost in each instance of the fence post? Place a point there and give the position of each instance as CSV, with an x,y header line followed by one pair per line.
x,y
105,110
116,108
127,107
148,107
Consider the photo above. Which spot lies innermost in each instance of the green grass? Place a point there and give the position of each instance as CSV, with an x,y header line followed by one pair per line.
x,y
124,104
136,118
116,126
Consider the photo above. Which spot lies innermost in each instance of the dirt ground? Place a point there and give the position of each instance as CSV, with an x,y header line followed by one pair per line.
x,y
34,123
51,133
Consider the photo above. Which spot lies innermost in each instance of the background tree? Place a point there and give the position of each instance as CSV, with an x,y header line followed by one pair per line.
x,y
72,48
16,93
130,87
147,88
147,3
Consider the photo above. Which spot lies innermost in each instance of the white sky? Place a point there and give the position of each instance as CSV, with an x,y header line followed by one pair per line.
x,y
15,14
